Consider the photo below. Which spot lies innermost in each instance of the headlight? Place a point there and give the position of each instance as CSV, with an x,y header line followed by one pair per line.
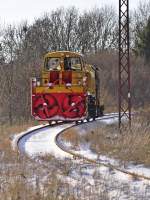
x,y
79,82
33,82
38,83
50,85
68,85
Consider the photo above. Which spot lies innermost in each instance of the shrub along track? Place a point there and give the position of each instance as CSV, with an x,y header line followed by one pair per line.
x,y
77,155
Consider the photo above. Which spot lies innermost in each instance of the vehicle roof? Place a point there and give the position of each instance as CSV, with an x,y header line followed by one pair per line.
x,y
62,54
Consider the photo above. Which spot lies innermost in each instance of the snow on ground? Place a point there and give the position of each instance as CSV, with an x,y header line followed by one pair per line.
x,y
42,142
112,183
126,185
18,135
87,153
35,144
110,121
139,169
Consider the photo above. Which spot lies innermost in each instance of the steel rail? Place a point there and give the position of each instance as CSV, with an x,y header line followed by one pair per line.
x,y
34,130
77,155
54,125
110,166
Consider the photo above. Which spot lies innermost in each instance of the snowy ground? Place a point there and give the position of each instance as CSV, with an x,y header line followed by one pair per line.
x,y
42,142
96,180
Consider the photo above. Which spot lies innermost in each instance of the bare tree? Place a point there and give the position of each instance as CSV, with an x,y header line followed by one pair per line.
x,y
23,46
9,47
12,49
70,26
84,33
103,28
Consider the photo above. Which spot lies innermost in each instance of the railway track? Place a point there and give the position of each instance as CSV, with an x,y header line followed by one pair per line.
x,y
22,139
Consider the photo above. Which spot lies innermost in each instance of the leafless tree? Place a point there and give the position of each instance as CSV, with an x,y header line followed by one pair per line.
x,y
103,27
83,31
22,48
12,48
70,26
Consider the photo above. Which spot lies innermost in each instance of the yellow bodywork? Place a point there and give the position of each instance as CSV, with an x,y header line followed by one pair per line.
x,y
83,80
90,73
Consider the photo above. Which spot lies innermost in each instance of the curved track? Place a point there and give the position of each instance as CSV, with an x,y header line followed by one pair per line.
x,y
22,142
41,140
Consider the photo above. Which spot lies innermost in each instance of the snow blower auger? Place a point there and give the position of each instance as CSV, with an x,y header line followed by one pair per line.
x,y
73,106
45,106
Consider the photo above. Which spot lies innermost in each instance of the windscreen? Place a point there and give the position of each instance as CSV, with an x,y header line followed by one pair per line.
x,y
52,64
72,63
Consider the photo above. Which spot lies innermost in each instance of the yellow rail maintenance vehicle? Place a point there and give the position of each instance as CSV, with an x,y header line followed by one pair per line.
x,y
68,89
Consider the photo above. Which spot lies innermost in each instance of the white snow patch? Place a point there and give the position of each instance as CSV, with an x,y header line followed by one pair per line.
x,y
110,121
86,152
106,160
42,142
139,169
113,174
18,135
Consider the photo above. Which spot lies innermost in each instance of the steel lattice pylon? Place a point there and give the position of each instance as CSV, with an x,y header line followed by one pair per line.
x,y
124,63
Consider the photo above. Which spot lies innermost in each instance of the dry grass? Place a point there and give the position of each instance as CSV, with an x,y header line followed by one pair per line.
x,y
72,137
22,178
129,145
6,132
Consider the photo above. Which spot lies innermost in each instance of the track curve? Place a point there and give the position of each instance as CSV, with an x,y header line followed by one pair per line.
x,y
41,141
57,130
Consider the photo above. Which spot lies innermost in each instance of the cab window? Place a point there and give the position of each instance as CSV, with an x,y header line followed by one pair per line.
x,y
72,63
52,64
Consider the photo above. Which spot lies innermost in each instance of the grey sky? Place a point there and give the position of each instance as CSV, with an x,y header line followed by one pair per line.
x,y
14,11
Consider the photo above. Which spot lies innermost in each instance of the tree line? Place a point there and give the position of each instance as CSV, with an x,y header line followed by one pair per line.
x,y
92,32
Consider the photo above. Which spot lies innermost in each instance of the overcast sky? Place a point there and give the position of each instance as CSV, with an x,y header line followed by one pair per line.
x,y
15,11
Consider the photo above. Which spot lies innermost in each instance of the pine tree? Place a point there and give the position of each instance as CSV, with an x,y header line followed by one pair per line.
x,y
143,42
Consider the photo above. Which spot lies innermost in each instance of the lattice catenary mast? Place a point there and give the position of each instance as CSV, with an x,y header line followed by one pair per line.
x,y
124,64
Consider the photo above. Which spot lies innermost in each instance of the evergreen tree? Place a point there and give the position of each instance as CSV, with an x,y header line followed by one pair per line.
x,y
143,42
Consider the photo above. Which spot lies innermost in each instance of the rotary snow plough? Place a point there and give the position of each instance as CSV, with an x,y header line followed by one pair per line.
x,y
68,89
